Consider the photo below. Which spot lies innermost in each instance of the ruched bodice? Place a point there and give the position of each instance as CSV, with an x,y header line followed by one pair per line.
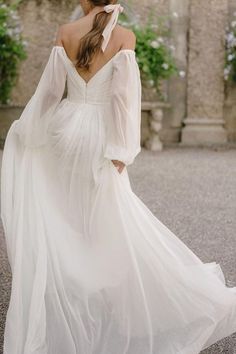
x,y
96,91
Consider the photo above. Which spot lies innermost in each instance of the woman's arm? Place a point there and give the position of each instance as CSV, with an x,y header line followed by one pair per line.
x,y
130,43
33,122
123,126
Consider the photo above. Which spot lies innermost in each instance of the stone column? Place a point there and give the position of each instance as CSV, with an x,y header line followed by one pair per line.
x,y
205,94
177,85
230,92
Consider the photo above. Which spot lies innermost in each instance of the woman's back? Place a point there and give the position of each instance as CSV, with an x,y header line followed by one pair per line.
x,y
70,35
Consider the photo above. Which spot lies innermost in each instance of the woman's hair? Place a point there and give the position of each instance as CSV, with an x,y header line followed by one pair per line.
x,y
91,42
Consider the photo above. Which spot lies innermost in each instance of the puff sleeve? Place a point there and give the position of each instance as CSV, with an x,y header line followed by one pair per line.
x,y
123,125
32,125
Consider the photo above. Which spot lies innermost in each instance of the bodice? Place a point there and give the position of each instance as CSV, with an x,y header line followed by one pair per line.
x,y
95,91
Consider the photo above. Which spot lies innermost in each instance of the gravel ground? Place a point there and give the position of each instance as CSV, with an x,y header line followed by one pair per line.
x,y
193,192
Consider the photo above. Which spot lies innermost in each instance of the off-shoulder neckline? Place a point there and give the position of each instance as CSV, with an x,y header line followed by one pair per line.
x,y
103,67
119,51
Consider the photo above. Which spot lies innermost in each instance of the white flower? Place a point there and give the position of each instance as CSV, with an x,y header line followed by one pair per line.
x,y
175,14
172,47
160,40
165,66
227,72
155,44
230,37
231,57
17,30
154,26
15,17
182,74
233,24
10,32
151,82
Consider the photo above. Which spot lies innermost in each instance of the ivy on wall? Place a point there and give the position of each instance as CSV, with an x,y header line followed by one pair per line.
x,y
12,49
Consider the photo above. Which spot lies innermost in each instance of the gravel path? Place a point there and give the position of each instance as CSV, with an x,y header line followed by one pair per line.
x,y
193,192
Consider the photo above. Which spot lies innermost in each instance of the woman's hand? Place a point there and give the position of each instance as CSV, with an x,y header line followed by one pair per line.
x,y
119,165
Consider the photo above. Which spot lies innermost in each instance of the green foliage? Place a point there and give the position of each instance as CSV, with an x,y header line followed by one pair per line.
x,y
153,56
230,59
153,52
12,49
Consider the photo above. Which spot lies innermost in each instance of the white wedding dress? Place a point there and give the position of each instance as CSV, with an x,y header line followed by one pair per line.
x,y
94,271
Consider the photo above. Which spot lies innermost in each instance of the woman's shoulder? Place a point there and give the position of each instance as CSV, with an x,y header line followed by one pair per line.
x,y
127,35
67,28
119,29
124,30
123,38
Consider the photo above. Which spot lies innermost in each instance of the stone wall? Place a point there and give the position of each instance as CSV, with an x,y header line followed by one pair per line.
x,y
40,21
205,99
177,86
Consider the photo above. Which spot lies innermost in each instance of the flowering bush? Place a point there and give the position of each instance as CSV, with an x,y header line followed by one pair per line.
x,y
230,65
12,49
153,51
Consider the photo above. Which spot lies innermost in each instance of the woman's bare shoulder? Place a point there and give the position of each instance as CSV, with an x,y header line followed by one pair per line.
x,y
123,38
71,29
127,35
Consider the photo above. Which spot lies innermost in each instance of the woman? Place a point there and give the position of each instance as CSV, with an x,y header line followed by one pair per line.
x,y
94,271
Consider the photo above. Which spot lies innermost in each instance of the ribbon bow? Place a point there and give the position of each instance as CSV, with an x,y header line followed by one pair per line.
x,y
116,9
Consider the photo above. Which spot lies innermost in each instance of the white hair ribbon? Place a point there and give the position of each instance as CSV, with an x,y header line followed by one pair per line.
x,y
116,9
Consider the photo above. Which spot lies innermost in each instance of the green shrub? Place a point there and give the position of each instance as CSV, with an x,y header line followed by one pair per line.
x,y
12,49
153,52
230,60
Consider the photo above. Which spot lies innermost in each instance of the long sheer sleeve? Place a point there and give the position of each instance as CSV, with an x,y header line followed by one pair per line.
x,y
33,122
123,126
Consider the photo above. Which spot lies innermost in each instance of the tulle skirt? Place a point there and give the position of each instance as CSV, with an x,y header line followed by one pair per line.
x,y
94,271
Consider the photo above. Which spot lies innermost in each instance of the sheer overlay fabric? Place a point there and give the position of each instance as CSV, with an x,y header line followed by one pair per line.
x,y
93,270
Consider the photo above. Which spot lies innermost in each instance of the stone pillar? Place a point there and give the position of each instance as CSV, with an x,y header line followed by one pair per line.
x,y
177,85
155,117
205,94
230,91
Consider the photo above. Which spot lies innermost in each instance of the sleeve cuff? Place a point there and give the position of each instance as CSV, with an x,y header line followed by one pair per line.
x,y
126,156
